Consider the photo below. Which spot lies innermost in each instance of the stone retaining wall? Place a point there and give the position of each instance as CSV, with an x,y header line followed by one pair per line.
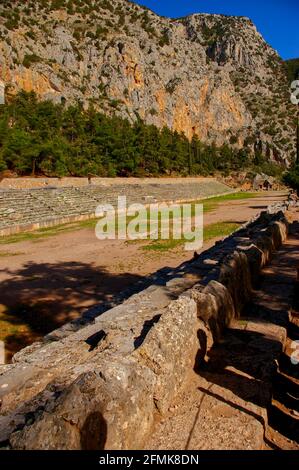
x,y
79,182
103,383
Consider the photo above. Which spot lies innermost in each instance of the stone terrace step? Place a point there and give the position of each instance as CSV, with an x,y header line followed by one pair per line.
x,y
24,207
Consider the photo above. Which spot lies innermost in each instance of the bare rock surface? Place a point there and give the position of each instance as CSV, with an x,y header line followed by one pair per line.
x,y
213,76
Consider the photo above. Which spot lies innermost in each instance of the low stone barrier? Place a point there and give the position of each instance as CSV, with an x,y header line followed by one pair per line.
x,y
103,384
77,182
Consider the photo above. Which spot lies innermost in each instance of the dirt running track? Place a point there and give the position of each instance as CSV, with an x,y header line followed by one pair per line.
x,y
49,281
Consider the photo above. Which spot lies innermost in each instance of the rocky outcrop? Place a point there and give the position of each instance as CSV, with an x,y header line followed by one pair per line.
x,y
104,385
211,76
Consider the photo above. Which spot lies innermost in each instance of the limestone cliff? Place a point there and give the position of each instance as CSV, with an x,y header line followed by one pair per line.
x,y
208,75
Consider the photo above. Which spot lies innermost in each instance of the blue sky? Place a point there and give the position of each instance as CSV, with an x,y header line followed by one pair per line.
x,y
277,20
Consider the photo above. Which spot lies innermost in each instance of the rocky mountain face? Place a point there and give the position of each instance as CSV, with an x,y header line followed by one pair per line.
x,y
207,75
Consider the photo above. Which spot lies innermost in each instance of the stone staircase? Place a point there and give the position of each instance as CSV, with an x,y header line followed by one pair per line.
x,y
29,209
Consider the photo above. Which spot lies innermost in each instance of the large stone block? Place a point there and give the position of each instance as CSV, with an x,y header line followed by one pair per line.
x,y
109,407
255,262
215,311
170,349
235,275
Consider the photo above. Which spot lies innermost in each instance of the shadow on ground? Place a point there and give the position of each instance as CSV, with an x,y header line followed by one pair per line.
x,y
243,362
42,297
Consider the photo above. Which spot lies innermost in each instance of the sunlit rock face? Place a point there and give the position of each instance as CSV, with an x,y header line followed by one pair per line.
x,y
210,76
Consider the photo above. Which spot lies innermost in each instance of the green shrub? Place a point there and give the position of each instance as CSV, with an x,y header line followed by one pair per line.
x,y
30,59
11,24
291,178
164,40
54,139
